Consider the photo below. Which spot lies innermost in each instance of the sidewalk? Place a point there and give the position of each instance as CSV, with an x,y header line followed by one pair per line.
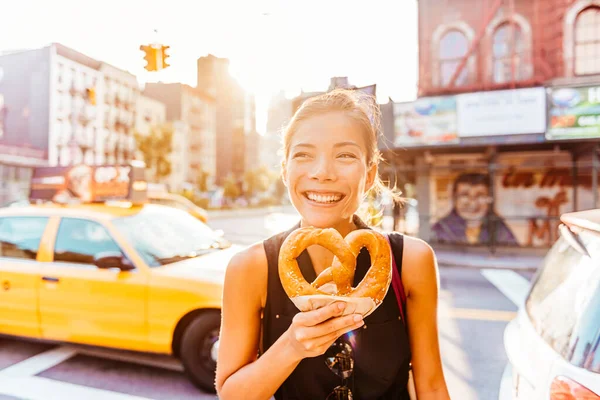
x,y
520,262
248,212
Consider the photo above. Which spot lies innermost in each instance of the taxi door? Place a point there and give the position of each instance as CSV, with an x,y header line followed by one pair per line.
x,y
83,303
20,239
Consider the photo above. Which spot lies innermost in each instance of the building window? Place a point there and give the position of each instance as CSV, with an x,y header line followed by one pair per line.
x,y
453,47
509,53
587,42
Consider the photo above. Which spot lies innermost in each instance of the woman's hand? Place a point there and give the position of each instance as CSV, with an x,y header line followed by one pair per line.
x,y
312,332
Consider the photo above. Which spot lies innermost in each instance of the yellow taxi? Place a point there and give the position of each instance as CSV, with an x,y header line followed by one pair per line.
x,y
177,201
124,275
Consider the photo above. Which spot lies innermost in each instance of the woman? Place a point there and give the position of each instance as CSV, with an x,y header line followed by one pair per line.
x,y
330,164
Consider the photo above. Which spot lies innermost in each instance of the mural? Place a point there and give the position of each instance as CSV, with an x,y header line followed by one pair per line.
x,y
531,192
471,218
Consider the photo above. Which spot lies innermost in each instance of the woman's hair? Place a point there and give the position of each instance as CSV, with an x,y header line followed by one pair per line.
x,y
360,108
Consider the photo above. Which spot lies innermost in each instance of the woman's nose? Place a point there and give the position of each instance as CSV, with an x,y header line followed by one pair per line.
x,y
323,170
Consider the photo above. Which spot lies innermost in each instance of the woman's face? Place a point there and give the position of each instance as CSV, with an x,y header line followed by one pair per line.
x,y
326,171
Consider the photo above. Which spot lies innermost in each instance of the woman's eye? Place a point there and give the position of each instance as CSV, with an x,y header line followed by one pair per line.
x,y
301,155
347,155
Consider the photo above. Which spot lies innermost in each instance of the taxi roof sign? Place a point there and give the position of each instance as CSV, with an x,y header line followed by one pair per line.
x,y
89,183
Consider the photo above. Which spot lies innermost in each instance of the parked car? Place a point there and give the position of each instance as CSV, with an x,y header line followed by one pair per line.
x,y
553,345
143,277
177,201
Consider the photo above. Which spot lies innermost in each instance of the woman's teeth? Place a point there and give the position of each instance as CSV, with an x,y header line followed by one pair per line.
x,y
319,198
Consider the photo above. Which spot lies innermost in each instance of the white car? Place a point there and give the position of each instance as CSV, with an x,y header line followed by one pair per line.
x,y
553,345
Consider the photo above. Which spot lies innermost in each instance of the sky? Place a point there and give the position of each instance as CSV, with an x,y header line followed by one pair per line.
x,y
272,45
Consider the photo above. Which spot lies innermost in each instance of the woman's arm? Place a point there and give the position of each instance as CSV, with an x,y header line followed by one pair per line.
x,y
240,374
420,278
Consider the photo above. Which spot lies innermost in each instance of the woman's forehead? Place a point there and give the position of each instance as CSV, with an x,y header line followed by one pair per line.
x,y
331,129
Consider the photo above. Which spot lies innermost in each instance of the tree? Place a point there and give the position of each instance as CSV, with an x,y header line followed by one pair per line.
x,y
231,188
156,148
256,181
202,180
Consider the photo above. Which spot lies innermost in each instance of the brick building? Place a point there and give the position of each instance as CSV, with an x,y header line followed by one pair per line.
x,y
505,134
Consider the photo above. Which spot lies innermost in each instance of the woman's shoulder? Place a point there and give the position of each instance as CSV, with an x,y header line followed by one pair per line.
x,y
419,266
247,273
248,259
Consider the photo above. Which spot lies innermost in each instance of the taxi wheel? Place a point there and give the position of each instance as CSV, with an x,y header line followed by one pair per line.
x,y
198,351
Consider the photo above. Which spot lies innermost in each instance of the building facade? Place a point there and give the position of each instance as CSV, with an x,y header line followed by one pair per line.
x,y
193,115
504,136
64,108
235,116
279,114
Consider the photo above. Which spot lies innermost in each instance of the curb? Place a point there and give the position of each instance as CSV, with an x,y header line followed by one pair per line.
x,y
524,268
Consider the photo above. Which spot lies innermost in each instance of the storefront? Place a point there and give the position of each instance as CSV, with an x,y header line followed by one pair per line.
x,y
16,167
486,170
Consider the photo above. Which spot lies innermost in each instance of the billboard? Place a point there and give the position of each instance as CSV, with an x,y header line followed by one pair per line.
x,y
574,113
88,184
426,121
502,112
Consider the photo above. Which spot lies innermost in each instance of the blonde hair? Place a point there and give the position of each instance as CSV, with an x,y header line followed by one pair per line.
x,y
360,108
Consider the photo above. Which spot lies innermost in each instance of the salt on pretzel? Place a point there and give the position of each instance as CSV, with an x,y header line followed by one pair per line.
x,y
374,285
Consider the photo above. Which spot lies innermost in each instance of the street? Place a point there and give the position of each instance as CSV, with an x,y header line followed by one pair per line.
x,y
474,309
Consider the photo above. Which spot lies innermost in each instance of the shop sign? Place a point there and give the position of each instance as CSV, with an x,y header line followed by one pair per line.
x,y
502,112
574,113
88,184
426,121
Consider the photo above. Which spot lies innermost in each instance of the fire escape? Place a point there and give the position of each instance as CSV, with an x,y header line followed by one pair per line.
x,y
545,56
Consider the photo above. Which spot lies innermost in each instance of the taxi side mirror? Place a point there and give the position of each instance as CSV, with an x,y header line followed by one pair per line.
x,y
111,259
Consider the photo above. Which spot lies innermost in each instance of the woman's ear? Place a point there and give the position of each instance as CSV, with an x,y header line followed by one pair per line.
x,y
371,177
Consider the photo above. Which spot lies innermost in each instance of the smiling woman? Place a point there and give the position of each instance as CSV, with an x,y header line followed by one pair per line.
x,y
329,167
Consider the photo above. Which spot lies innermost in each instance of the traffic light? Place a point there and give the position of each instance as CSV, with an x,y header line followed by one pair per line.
x,y
150,57
163,50
91,95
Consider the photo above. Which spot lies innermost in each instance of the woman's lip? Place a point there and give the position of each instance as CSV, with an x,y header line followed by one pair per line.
x,y
322,193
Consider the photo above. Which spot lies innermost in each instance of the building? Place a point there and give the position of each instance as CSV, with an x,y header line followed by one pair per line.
x,y
279,114
504,136
336,82
61,107
235,119
150,113
192,111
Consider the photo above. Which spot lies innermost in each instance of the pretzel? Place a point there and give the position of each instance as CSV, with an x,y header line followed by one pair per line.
x,y
374,285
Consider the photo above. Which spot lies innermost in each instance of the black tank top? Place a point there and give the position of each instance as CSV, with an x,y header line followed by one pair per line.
x,y
381,347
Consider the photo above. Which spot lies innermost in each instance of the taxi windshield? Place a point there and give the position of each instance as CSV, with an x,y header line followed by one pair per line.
x,y
163,235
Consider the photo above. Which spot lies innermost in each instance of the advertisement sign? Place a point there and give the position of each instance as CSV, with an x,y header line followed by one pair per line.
x,y
502,112
88,184
426,121
574,113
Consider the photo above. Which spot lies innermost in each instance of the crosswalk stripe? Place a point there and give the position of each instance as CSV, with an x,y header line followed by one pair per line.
x,y
39,363
36,388
511,284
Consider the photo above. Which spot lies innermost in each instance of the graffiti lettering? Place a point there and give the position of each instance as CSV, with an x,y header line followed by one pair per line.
x,y
561,177
547,229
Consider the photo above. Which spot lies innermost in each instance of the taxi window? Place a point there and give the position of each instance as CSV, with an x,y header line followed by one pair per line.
x,y
564,303
20,236
80,241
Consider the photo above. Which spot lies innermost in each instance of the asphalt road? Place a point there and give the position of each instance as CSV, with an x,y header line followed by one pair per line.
x,y
474,308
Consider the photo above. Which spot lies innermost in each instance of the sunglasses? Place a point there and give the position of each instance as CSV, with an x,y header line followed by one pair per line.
x,y
340,360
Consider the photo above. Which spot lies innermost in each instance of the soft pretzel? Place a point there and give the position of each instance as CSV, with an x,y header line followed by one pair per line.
x,y
374,285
